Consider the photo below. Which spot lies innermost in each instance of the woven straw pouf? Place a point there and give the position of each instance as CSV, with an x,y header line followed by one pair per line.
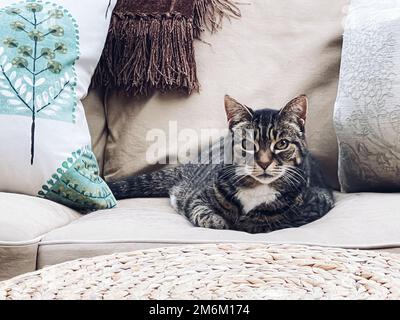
x,y
219,271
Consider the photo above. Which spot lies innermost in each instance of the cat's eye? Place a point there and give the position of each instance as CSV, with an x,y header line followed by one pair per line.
x,y
281,144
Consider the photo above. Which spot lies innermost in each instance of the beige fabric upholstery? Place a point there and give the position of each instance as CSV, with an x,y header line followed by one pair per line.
x,y
23,222
24,219
15,260
357,221
95,115
277,50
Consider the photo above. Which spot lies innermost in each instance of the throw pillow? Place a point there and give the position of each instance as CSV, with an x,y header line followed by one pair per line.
x,y
275,51
48,53
367,108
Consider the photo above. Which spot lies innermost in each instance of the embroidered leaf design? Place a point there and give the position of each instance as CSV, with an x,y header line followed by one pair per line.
x,y
45,97
14,102
38,49
28,80
7,93
40,81
18,83
7,67
77,184
22,90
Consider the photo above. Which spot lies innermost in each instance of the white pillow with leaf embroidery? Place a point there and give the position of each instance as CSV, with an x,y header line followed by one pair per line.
x,y
48,53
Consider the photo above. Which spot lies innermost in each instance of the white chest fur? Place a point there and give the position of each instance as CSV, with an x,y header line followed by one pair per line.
x,y
251,198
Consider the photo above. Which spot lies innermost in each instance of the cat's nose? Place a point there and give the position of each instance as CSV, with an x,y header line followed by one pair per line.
x,y
264,164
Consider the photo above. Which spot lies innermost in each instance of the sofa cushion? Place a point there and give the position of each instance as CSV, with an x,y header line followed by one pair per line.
x,y
17,259
276,51
95,116
357,221
367,106
23,221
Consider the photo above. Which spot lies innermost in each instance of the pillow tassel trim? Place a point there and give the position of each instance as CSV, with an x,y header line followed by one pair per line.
x,y
150,44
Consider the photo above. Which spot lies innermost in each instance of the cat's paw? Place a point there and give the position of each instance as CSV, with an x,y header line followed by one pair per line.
x,y
213,221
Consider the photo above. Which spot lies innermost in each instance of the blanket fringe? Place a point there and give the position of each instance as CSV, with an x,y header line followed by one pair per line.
x,y
148,52
209,14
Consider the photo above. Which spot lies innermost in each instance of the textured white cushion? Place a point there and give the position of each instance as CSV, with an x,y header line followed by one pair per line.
x,y
25,219
357,221
23,222
367,107
48,53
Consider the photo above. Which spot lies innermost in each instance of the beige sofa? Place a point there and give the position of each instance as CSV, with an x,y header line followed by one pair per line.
x,y
278,49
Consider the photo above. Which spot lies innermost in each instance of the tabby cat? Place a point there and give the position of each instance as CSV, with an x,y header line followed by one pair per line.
x,y
283,187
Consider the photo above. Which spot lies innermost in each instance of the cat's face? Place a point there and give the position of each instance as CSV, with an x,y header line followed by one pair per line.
x,y
271,142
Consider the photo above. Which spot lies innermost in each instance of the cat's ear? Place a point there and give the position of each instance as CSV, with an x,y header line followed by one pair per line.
x,y
298,108
236,112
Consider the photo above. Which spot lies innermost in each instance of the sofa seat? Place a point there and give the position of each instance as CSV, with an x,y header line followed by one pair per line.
x,y
23,222
357,221
36,232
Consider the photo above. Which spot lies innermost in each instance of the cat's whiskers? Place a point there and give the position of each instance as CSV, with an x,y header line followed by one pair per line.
x,y
295,171
296,175
240,179
292,177
289,181
229,172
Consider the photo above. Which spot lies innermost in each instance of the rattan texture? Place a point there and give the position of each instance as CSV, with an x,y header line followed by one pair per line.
x,y
217,271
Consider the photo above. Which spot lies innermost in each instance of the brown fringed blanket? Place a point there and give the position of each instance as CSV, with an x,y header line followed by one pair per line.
x,y
150,44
